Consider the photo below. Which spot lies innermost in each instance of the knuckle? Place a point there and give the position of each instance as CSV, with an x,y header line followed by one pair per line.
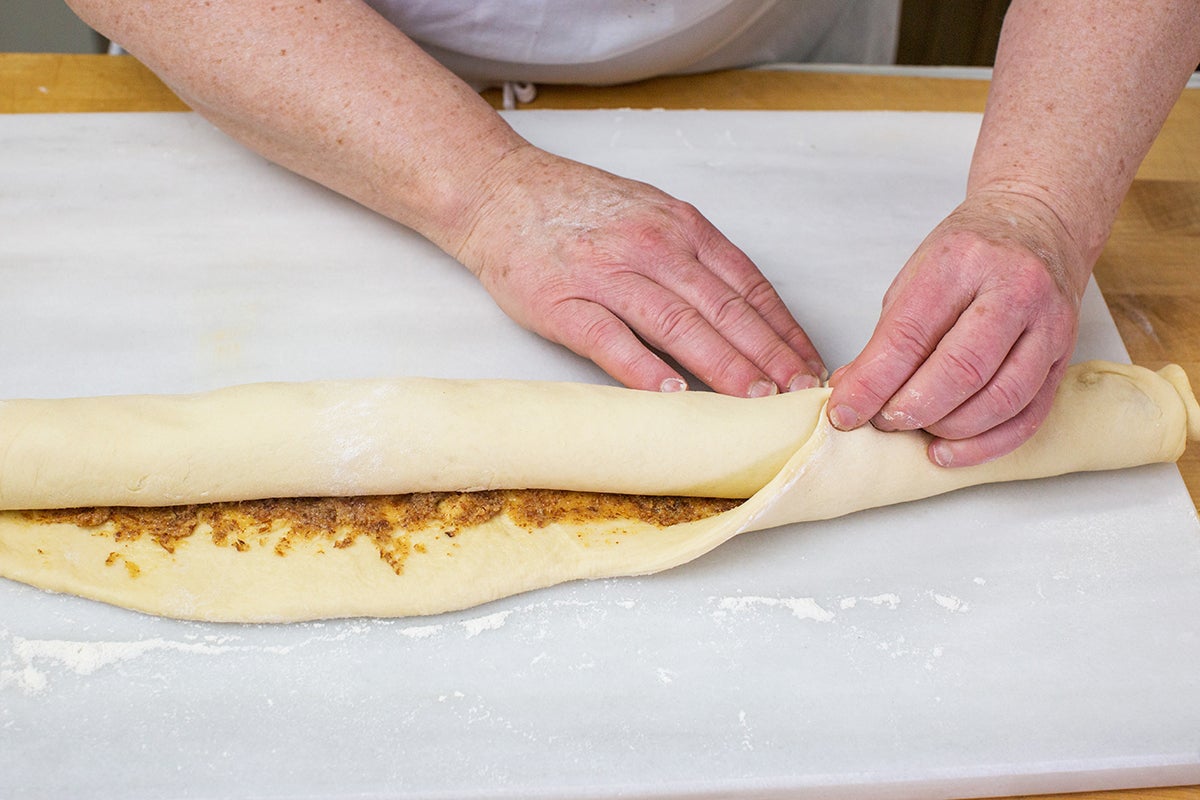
x,y
1060,323
1005,399
735,320
730,311
776,359
677,322
761,294
1032,288
866,391
599,334
1004,432
1026,427
644,236
685,211
965,368
954,428
722,367
907,335
1034,414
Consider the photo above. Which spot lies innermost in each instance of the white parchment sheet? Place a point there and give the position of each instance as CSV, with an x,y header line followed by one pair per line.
x,y
1021,638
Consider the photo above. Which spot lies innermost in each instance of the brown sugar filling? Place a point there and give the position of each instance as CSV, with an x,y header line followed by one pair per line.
x,y
386,520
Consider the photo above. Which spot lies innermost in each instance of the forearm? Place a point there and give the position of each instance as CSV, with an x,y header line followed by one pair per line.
x,y
330,90
978,327
1080,90
601,264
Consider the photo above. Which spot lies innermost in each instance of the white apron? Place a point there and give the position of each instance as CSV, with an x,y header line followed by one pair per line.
x,y
616,41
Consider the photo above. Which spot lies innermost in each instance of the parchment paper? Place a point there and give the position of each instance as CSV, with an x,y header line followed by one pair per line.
x,y
1004,639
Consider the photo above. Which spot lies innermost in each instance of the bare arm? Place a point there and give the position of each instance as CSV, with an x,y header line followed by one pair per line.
x,y
331,90
1080,91
980,324
327,89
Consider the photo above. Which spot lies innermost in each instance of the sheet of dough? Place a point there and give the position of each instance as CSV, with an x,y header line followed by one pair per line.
x,y
279,440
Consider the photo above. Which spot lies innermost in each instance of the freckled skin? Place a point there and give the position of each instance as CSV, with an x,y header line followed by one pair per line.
x,y
334,92
982,320
605,265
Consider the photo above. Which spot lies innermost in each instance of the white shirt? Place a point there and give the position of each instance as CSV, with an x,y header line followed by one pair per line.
x,y
616,41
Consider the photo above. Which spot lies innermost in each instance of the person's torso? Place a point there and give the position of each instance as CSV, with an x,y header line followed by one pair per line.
x,y
615,41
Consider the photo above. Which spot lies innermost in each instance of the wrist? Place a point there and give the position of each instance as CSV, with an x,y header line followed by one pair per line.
x,y
1010,211
487,192
447,187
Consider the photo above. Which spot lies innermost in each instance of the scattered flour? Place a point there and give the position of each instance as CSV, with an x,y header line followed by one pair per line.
x,y
892,601
85,658
478,625
951,603
27,679
29,660
421,631
744,727
806,607
801,607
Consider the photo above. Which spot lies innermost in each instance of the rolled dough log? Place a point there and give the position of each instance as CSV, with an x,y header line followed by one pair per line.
x,y
393,436
426,435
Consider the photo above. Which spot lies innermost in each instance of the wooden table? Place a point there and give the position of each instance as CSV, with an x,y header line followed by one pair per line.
x,y
1149,272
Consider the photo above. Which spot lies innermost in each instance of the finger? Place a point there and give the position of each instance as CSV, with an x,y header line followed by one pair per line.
x,y
968,356
908,332
732,317
681,330
674,325
1013,387
1003,438
597,334
736,269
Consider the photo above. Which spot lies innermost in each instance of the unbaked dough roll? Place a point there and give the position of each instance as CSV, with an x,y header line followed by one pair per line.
x,y
389,437
421,435
1105,416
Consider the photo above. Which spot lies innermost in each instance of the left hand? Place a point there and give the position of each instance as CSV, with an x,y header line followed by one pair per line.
x,y
975,334
620,272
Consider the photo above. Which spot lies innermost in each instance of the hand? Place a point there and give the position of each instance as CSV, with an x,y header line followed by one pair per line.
x,y
975,333
606,265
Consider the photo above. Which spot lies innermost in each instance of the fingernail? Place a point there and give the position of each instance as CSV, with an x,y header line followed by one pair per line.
x,y
819,370
941,454
672,385
803,381
844,418
762,388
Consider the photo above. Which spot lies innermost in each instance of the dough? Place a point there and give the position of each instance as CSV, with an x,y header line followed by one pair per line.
x,y
392,436
397,437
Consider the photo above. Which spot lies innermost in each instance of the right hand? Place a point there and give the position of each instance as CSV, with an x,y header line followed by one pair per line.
x,y
611,268
975,334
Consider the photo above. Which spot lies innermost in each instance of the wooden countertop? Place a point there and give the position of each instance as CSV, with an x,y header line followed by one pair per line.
x,y
1149,272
